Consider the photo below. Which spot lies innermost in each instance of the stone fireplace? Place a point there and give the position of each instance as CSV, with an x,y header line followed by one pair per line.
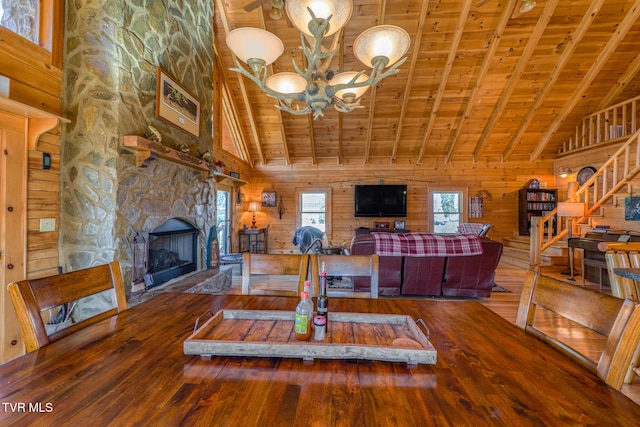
x,y
108,200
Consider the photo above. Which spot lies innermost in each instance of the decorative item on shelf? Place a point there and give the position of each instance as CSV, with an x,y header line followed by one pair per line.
x,y
175,105
235,175
399,224
184,148
570,210
153,134
253,208
316,88
219,166
381,224
532,183
269,199
206,156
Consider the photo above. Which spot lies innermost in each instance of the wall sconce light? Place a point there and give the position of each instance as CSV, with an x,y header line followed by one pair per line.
x,y
254,207
564,172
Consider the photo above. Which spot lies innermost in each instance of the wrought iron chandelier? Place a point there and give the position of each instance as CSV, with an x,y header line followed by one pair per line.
x,y
315,88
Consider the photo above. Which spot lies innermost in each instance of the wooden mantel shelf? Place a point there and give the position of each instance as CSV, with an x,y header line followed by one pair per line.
x,y
221,177
147,150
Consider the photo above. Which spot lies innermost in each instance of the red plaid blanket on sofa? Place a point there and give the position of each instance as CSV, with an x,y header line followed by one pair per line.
x,y
426,244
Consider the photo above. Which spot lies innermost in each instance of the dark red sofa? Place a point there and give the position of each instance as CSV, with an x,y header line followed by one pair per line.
x,y
463,276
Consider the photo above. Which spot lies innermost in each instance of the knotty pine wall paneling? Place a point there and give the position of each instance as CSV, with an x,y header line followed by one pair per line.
x,y
43,201
501,180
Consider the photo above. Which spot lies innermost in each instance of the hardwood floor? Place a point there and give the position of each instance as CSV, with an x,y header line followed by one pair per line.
x,y
506,305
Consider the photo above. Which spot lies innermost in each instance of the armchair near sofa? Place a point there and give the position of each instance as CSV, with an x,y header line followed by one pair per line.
x,y
468,276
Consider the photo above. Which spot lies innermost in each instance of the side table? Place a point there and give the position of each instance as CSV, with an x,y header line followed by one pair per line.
x,y
253,240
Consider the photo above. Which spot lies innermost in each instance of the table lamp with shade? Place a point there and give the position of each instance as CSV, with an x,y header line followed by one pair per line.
x,y
570,210
253,208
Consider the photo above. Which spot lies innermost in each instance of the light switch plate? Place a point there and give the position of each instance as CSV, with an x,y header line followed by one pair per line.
x,y
47,224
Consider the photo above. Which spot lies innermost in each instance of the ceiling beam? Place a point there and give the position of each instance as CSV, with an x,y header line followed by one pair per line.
x,y
231,113
519,69
283,133
229,108
412,69
374,90
340,115
629,74
621,31
482,73
243,89
576,37
455,44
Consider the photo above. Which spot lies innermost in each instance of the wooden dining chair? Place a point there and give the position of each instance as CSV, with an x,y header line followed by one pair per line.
x,y
346,266
616,319
622,287
32,298
295,265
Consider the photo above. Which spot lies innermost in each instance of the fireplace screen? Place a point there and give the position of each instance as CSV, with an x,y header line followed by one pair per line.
x,y
172,251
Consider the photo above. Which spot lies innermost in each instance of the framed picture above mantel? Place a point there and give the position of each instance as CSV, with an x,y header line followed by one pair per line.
x,y
175,105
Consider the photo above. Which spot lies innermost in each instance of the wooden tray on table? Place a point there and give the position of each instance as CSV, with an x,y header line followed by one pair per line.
x,y
265,333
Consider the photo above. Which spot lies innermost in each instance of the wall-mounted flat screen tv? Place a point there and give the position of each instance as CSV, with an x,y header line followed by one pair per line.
x,y
380,200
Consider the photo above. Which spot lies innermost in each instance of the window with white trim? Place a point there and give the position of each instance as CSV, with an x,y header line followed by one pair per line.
x,y
314,207
446,211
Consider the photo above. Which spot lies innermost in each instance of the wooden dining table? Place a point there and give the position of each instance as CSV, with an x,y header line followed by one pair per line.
x,y
132,370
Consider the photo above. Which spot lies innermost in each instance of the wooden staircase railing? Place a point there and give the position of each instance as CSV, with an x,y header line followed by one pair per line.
x,y
610,125
610,179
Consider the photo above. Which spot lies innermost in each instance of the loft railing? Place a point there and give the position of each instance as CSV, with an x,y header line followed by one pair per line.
x,y
611,125
610,179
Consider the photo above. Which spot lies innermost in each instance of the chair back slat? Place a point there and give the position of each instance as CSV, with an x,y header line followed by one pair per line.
x,y
56,290
350,266
618,320
591,309
621,287
31,297
274,264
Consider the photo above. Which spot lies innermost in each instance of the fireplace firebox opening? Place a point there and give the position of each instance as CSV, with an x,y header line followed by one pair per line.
x,y
173,248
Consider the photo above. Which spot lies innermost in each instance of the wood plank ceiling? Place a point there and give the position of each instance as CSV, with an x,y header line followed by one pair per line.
x,y
482,82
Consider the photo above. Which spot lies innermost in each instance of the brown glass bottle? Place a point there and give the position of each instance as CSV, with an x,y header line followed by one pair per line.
x,y
323,300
